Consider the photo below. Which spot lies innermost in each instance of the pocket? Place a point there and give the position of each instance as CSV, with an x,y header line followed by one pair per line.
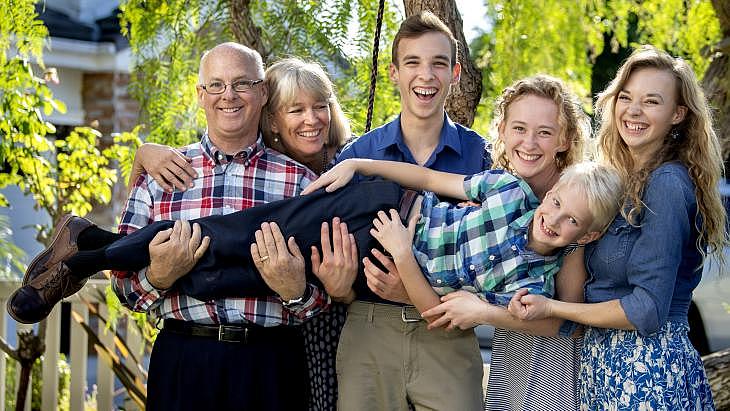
x,y
617,242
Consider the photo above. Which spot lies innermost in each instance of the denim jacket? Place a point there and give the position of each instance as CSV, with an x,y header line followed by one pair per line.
x,y
653,267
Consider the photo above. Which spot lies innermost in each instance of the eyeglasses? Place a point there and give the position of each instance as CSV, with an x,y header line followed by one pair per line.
x,y
240,86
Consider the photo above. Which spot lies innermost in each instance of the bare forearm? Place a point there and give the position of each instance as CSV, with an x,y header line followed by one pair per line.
x,y
607,314
414,177
419,290
137,171
499,317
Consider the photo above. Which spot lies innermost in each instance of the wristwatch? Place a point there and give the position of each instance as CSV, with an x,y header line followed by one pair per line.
x,y
295,302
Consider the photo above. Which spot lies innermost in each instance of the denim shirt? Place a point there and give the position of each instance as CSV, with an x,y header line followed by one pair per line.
x,y
651,268
460,150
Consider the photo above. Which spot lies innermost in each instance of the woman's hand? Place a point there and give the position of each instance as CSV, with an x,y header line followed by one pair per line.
x,y
395,238
529,306
337,266
167,166
335,178
459,309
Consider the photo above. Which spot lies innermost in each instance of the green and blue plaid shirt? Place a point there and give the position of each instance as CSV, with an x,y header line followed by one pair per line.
x,y
482,249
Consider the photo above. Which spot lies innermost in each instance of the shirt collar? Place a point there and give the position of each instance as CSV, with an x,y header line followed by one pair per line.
x,y
392,135
219,157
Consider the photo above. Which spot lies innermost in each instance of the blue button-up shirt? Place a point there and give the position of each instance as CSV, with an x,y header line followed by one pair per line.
x,y
652,267
460,150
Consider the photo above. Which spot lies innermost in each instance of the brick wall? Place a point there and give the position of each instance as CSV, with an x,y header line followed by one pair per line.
x,y
110,109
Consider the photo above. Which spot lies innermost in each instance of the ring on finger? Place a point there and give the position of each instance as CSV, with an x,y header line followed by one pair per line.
x,y
263,259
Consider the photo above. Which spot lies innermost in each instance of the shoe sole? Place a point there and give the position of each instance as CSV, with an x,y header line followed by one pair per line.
x,y
26,276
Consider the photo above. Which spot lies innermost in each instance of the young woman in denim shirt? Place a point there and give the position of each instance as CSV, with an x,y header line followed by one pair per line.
x,y
656,128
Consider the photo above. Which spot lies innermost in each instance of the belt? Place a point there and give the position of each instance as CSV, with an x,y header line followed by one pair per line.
x,y
406,313
245,334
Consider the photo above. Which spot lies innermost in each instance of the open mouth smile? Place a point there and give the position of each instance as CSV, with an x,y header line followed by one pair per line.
x,y
528,157
545,230
425,93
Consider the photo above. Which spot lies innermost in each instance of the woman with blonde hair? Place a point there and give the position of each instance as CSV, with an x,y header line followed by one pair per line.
x,y
539,130
657,130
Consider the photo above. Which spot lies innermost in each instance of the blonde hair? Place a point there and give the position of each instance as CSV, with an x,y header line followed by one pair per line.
x,y
574,124
697,147
288,78
602,187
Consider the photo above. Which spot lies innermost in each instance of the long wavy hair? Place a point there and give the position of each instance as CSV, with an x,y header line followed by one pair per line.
x,y
574,124
697,148
288,78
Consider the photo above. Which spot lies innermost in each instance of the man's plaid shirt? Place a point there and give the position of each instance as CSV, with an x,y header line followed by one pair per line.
x,y
252,177
483,249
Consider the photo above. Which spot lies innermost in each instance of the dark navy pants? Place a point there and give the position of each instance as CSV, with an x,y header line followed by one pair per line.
x,y
226,269
189,373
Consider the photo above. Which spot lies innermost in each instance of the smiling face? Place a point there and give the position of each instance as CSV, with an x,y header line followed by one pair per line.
x,y
424,74
303,126
531,136
231,116
646,109
562,218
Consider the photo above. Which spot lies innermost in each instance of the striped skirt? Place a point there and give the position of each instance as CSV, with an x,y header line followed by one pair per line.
x,y
533,373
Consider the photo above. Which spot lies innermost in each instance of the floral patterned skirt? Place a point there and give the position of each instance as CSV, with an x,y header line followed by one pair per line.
x,y
622,370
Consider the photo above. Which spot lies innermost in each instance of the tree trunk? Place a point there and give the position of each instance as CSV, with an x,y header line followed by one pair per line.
x,y
716,81
717,367
244,29
462,102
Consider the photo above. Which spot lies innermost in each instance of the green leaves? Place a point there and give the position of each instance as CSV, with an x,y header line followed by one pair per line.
x,y
564,37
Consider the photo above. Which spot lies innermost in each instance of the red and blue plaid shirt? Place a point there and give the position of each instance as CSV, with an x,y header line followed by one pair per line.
x,y
225,184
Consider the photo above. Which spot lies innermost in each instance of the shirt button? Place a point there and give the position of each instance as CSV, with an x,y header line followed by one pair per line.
x,y
438,281
461,279
514,248
472,267
491,258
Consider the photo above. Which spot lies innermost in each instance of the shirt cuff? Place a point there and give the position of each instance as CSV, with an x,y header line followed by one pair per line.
x,y
567,328
313,301
145,286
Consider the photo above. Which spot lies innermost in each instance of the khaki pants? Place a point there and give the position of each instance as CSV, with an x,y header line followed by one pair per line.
x,y
384,361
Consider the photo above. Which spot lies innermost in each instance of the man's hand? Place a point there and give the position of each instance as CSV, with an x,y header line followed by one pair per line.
x,y
166,165
385,285
460,309
337,266
174,252
280,262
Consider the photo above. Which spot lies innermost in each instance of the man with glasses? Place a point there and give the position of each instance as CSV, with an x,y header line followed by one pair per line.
x,y
223,353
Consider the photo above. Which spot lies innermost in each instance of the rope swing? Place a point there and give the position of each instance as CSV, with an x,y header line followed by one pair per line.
x,y
374,68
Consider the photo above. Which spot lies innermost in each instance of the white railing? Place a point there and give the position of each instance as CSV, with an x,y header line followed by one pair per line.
x,y
78,355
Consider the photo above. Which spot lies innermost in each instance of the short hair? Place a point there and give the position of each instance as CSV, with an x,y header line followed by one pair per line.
x,y
419,24
602,187
288,78
236,48
574,123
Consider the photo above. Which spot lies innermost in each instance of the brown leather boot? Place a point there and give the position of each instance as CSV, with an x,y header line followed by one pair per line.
x,y
33,302
63,245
